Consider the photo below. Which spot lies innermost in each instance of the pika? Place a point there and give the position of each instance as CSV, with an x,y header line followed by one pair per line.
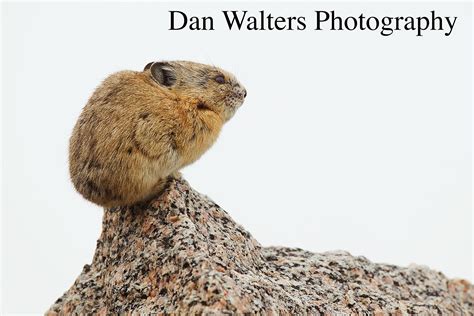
x,y
141,127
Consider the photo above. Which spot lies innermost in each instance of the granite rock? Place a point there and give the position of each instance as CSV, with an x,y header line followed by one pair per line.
x,y
183,254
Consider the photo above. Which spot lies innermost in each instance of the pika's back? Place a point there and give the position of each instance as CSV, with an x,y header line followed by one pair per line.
x,y
138,128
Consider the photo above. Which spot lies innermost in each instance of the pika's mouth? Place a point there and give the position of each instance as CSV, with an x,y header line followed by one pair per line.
x,y
235,99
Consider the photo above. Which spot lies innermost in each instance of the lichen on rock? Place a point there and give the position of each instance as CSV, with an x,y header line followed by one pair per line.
x,y
183,254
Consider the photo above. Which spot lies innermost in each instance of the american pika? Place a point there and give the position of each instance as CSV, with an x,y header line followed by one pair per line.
x,y
139,128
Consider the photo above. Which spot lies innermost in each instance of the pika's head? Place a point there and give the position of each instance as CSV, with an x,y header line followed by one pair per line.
x,y
217,90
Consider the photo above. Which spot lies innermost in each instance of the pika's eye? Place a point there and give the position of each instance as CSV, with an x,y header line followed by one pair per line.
x,y
220,79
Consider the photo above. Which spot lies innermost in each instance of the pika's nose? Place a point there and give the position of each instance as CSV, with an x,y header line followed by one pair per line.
x,y
239,90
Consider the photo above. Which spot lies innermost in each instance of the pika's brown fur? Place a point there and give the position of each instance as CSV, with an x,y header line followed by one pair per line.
x,y
139,128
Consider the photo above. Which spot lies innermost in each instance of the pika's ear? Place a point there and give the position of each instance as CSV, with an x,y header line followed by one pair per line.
x,y
148,66
163,73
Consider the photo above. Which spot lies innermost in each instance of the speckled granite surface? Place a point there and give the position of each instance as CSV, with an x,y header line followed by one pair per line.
x,y
183,254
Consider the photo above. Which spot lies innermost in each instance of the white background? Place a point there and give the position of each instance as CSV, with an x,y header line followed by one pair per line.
x,y
347,140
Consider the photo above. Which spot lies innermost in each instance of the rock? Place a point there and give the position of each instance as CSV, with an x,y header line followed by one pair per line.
x,y
183,254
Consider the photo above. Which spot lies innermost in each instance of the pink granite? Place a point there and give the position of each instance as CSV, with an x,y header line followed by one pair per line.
x,y
183,254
